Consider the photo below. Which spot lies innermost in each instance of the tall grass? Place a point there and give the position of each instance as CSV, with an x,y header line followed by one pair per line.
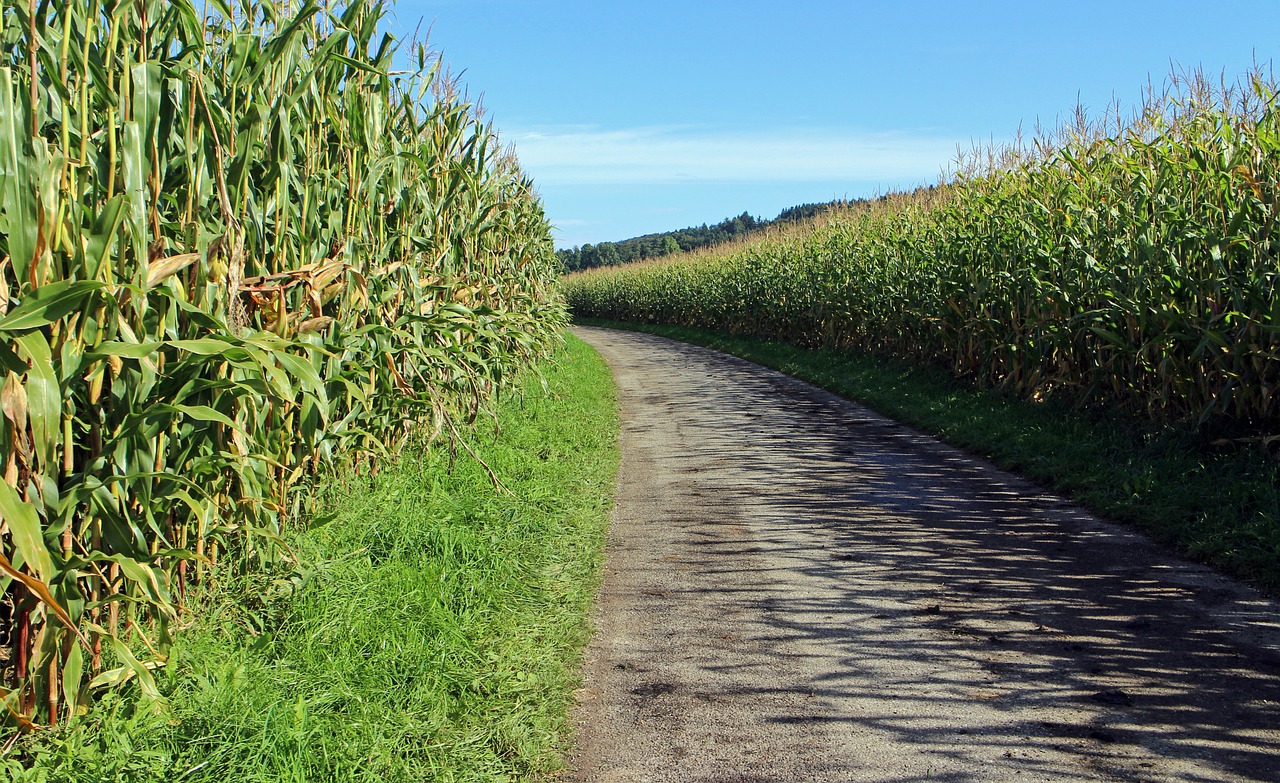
x,y
1132,263
237,247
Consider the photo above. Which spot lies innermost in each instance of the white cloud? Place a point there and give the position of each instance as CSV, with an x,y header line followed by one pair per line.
x,y
576,155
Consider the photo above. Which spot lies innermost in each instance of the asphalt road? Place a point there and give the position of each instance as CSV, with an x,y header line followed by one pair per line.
x,y
798,589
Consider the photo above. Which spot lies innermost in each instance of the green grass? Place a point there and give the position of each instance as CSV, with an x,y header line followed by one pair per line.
x,y
434,634
1219,505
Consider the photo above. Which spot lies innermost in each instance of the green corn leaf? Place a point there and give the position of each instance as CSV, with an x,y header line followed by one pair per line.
x,y
205,346
103,235
73,678
10,361
123,350
199,413
49,303
44,398
146,102
26,532
19,207
143,575
132,668
134,164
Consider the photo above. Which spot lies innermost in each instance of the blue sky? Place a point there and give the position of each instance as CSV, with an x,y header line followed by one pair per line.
x,y
637,117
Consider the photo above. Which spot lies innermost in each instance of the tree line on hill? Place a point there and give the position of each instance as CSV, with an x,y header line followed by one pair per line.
x,y
589,256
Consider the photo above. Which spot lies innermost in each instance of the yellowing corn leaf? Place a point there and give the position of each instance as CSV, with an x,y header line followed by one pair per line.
x,y
164,268
41,591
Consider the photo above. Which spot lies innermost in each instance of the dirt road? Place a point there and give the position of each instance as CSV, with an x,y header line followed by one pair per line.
x,y
800,590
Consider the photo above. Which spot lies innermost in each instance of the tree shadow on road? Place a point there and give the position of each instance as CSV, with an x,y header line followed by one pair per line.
x,y
950,589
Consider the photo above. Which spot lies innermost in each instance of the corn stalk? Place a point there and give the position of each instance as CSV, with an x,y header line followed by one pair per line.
x,y
236,248
1131,263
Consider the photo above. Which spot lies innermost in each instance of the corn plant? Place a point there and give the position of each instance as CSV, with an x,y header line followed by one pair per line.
x,y
1132,263
237,248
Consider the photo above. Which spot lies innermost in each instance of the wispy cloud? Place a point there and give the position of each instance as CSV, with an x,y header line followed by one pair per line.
x,y
655,155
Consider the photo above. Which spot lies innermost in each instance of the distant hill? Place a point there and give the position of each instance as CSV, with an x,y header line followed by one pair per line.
x,y
682,240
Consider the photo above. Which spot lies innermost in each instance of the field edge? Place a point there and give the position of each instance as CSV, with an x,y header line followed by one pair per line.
x,y
436,631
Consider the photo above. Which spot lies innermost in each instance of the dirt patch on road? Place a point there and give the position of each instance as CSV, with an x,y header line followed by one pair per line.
x,y
799,589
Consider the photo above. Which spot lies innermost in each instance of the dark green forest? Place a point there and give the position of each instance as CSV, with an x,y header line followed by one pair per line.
x,y
682,240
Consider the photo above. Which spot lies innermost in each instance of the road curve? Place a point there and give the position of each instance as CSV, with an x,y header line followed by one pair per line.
x,y
798,589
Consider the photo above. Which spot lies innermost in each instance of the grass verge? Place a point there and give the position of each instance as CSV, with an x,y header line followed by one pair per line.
x,y
435,635
1219,505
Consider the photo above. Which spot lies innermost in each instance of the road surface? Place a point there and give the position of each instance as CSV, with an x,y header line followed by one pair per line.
x,y
797,589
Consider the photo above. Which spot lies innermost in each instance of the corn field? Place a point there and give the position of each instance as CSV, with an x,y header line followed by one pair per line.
x,y
238,247
1131,263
